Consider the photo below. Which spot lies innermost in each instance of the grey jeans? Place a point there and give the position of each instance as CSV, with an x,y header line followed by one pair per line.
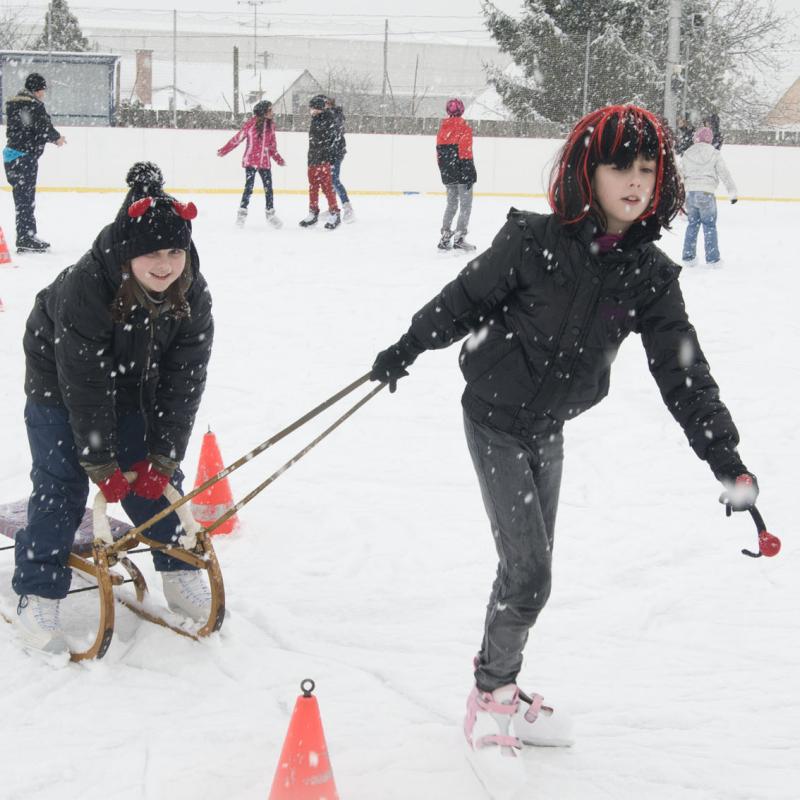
x,y
520,481
458,194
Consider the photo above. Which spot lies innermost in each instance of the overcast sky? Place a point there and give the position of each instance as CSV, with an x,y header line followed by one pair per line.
x,y
440,19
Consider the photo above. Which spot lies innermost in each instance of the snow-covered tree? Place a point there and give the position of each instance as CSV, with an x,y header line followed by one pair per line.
x,y
723,44
61,30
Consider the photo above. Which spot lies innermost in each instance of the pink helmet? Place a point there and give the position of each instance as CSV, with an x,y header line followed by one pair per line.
x,y
455,107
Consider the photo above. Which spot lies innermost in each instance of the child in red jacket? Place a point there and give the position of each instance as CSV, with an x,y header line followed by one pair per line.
x,y
259,134
454,154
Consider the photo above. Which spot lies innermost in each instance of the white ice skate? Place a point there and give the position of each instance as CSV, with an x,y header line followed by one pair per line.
x,y
348,214
241,217
493,749
540,725
187,593
272,219
39,625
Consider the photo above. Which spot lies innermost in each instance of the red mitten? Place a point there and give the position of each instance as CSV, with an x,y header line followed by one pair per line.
x,y
149,481
279,160
115,487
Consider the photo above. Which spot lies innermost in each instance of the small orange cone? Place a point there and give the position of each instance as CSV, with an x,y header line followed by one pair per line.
x,y
5,255
210,505
304,771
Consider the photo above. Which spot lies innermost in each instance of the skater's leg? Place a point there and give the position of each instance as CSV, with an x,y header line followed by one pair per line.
x,y
56,505
708,217
327,188
266,179
520,480
249,181
451,207
22,174
693,228
465,207
314,182
337,183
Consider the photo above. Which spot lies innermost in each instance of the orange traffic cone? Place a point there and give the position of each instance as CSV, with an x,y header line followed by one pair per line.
x,y
5,255
304,772
210,505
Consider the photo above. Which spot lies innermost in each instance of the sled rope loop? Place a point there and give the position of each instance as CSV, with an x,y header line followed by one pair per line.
x,y
176,504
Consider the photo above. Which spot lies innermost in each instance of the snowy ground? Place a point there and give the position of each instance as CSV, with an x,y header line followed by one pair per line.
x,y
367,566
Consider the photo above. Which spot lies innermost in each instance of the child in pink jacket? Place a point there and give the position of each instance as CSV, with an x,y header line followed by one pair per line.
x,y
261,145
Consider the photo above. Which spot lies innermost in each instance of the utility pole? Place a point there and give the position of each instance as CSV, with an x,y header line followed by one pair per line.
x,y
235,82
673,56
586,71
255,4
174,68
385,62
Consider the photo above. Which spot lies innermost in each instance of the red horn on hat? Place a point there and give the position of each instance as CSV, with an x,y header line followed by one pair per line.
x,y
186,211
139,207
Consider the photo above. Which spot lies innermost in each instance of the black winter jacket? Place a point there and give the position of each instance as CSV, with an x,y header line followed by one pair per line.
x,y
322,138
339,141
77,357
547,318
29,126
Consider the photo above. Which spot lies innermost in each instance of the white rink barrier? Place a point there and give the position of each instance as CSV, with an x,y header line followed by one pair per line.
x,y
96,159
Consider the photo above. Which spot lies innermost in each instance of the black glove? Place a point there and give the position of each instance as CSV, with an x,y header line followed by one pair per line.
x,y
734,200
390,363
740,494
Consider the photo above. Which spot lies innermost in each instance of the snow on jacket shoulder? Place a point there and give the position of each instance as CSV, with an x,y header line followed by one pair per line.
x,y
703,167
454,151
258,148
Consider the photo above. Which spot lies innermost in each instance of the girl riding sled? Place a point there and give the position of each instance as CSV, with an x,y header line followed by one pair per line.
x,y
261,145
546,308
116,351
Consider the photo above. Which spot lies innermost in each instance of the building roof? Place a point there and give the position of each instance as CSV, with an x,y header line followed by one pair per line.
x,y
786,113
210,85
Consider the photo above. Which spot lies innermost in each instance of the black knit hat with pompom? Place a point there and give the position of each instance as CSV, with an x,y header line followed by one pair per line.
x,y
150,219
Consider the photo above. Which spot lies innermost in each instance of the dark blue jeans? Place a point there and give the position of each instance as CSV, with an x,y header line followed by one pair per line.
x,y
520,481
338,186
58,500
249,182
22,173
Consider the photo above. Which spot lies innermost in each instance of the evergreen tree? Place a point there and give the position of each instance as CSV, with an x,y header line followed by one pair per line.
x,y
721,42
62,31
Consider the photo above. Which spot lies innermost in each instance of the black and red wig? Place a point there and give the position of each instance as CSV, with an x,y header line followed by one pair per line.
x,y
615,135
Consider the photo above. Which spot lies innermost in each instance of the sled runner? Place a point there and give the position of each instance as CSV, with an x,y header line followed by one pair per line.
x,y
101,544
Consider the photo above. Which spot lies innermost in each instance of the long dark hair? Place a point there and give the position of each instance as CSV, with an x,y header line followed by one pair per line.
x,y
615,135
260,111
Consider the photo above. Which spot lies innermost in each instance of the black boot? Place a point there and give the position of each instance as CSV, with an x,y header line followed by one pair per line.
x,y
32,244
310,219
444,242
334,218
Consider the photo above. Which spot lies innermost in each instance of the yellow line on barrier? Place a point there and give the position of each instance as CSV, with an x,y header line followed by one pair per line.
x,y
360,192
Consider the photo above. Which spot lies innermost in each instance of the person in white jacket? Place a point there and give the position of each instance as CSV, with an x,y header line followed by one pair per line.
x,y
702,167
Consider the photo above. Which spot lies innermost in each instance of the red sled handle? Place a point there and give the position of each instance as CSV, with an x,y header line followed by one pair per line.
x,y
768,544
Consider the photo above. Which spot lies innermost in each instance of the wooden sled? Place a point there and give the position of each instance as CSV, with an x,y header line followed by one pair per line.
x,y
102,544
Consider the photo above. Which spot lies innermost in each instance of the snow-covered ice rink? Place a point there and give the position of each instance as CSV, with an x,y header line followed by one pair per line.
x,y
367,565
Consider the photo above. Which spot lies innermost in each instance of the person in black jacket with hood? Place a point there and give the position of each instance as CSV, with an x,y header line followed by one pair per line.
x,y
339,152
321,154
546,308
28,130
116,352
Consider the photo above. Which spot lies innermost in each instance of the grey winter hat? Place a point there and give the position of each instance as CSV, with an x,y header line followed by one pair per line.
x,y
35,82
